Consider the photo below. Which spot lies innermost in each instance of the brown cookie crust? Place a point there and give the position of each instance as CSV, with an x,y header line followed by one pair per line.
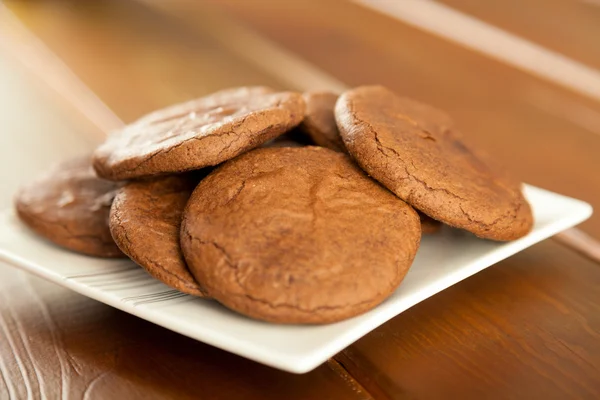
x,y
414,150
69,205
198,133
319,121
145,219
297,235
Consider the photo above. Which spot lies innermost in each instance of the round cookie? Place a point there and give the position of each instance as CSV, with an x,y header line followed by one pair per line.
x,y
319,120
413,150
198,133
144,221
297,235
69,205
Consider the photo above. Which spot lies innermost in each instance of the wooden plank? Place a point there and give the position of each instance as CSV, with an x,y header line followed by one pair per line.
x,y
504,46
570,27
132,58
525,328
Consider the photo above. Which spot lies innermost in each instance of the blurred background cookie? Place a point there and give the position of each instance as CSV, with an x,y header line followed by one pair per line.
x,y
319,121
69,205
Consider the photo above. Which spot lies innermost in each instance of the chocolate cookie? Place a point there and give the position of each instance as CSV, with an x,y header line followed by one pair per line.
x,y
415,151
144,221
319,121
69,205
199,133
297,235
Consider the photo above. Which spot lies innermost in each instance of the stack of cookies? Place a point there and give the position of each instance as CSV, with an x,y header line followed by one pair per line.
x,y
284,207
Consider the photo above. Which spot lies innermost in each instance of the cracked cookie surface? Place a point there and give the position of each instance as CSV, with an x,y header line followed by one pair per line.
x,y
199,133
69,205
297,235
415,151
145,218
319,121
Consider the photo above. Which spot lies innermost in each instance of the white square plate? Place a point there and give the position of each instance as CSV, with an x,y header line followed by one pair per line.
x,y
442,261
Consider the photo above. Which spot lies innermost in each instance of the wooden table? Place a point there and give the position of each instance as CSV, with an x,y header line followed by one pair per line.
x,y
528,327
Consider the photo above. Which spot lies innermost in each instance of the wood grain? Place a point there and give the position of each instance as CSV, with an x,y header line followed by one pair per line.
x,y
580,242
131,57
58,344
570,27
528,327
